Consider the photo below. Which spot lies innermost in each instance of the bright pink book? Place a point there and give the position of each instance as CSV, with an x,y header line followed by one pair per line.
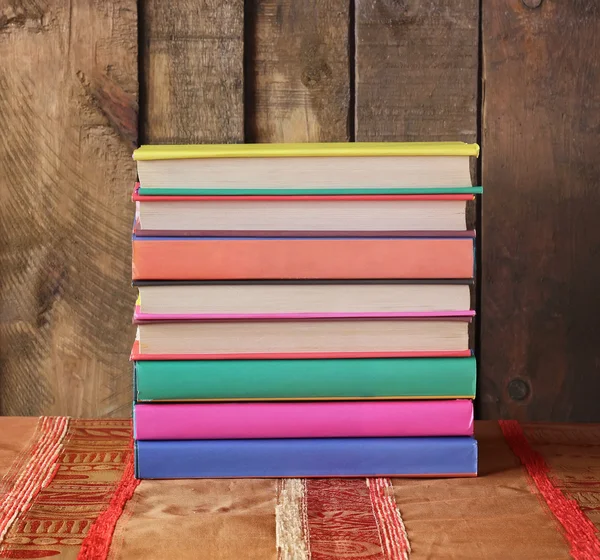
x,y
303,420
140,317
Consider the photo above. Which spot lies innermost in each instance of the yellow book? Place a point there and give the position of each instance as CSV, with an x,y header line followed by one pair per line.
x,y
325,149
310,169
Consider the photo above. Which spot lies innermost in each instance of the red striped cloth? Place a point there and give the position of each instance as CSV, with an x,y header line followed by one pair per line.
x,y
67,490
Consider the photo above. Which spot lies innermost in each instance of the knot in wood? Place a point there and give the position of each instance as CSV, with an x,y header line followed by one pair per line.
x,y
315,72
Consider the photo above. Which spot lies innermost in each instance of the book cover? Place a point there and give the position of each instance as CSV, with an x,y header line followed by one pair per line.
x,y
306,191
308,149
309,379
303,420
427,196
140,317
138,355
196,258
302,458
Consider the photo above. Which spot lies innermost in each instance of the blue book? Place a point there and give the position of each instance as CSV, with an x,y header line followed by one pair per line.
x,y
323,457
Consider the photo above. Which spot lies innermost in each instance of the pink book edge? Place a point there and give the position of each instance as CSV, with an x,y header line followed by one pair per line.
x,y
139,232
140,317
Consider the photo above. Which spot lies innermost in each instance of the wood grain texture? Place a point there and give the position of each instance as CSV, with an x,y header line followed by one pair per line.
x,y
68,115
417,76
192,85
541,240
416,70
417,65
298,71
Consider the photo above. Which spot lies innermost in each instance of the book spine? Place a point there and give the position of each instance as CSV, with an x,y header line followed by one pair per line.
x,y
169,191
303,420
305,379
140,317
136,197
299,458
269,258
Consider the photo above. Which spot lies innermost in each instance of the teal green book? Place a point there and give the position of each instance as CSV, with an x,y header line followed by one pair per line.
x,y
289,192
307,379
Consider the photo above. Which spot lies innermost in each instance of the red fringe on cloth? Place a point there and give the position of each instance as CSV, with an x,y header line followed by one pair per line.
x,y
579,530
98,540
33,471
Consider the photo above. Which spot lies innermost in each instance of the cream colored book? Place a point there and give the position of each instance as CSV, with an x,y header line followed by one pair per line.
x,y
327,298
293,215
377,336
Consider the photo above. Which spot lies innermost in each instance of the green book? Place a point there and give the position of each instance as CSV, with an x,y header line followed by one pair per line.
x,y
160,191
309,379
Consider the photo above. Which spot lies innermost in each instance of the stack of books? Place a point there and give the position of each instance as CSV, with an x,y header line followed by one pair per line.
x,y
304,310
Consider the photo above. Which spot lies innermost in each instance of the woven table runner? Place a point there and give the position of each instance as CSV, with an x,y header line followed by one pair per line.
x,y
68,491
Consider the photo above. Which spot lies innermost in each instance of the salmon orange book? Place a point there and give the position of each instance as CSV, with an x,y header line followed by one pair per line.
x,y
207,258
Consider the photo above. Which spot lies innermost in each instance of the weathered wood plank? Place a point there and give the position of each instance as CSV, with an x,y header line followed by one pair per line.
x,y
192,84
541,241
68,115
417,65
416,70
298,75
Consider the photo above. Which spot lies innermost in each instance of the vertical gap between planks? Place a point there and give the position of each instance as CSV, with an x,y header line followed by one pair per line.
x,y
141,36
352,70
249,61
479,206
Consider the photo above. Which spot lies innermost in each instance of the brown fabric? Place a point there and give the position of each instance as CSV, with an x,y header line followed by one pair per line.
x,y
211,519
572,451
15,433
500,514
494,516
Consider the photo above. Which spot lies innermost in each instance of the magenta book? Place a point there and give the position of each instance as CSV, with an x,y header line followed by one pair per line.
x,y
303,419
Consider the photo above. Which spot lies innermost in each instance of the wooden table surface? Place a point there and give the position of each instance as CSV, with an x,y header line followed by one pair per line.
x,y
68,492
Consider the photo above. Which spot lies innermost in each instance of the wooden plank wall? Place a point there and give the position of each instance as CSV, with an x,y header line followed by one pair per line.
x,y
282,71
297,71
192,71
541,240
68,122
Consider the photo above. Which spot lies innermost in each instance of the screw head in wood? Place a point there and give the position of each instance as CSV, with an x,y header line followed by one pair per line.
x,y
532,3
518,389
